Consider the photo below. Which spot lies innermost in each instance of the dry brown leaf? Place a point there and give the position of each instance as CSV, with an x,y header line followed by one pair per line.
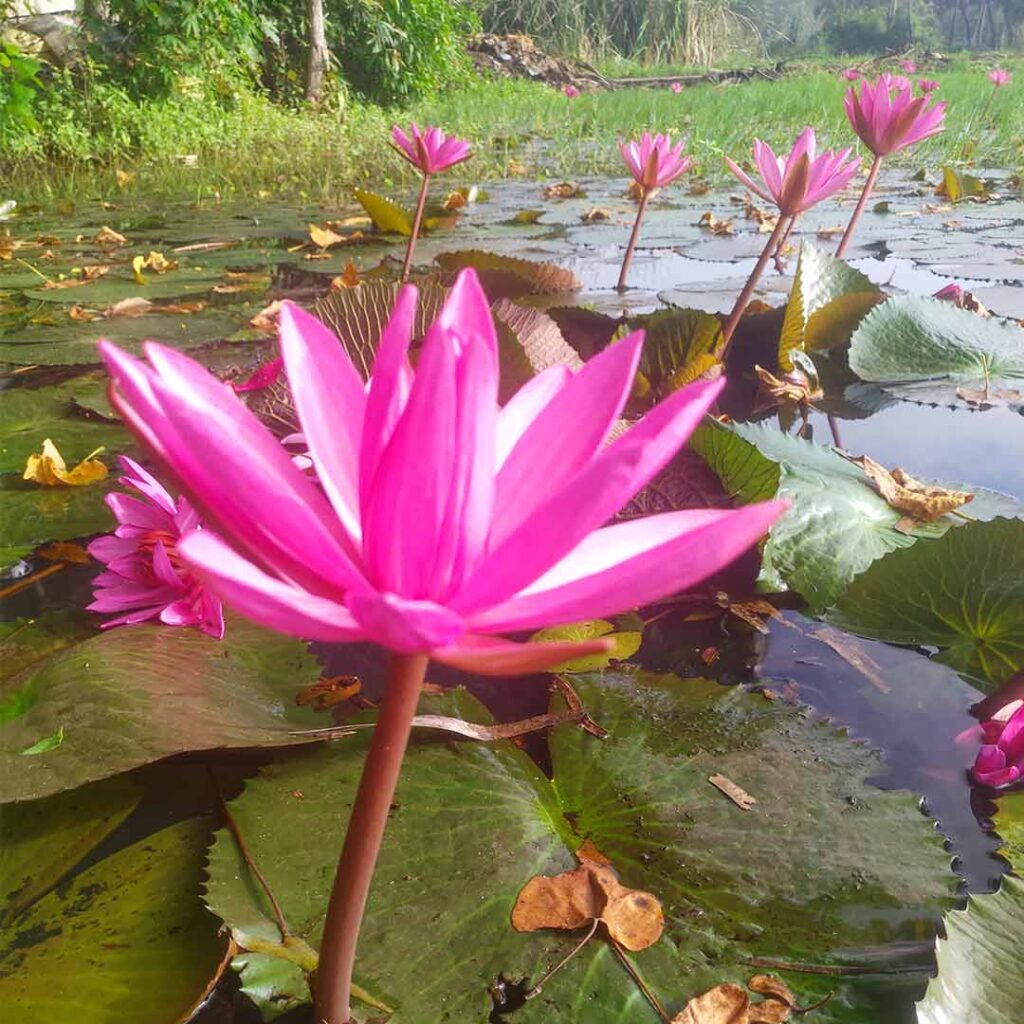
x,y
83,315
124,177
717,225
588,851
923,502
159,263
65,551
328,691
565,190
754,612
135,306
108,236
181,307
765,221
324,238
7,245
989,398
740,797
575,898
453,201
827,233
50,470
699,187
724,1004
794,387
348,278
81,275
266,318
596,215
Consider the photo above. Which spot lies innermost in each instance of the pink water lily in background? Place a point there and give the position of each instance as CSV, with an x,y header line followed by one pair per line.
x,y
442,520
571,91
676,87
430,151
927,85
654,161
887,116
898,81
851,74
144,577
1000,761
796,182
261,378
909,67
999,77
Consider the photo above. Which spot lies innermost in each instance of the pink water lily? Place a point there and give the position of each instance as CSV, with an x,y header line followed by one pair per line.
x,y
887,116
851,74
927,85
909,66
999,77
144,576
571,91
1000,761
897,81
676,87
430,151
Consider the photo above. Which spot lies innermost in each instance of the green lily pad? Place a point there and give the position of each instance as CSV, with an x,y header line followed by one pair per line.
x,y
1009,819
114,287
127,939
828,300
962,593
980,977
626,643
471,823
680,345
26,641
510,276
136,694
927,350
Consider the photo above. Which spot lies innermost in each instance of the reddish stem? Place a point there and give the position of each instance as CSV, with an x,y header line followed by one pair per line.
x,y
628,258
363,837
411,247
869,186
748,289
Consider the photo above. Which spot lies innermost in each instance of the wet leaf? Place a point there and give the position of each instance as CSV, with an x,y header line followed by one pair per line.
x,y
527,216
49,469
724,1004
927,350
529,341
679,348
107,236
626,644
921,501
136,694
956,186
1009,823
979,975
962,593
528,276
573,899
565,190
717,225
387,215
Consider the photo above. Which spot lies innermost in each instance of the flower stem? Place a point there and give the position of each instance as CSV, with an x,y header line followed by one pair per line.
x,y
748,289
859,208
363,837
418,220
628,258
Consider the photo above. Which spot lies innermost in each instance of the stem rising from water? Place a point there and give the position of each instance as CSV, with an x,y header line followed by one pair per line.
x,y
869,186
628,258
411,247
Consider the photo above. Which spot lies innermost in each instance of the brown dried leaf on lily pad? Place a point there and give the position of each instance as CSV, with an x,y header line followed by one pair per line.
x,y
729,1004
575,898
717,225
794,387
920,501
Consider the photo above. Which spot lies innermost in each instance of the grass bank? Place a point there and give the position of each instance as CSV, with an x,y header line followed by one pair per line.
x,y
518,128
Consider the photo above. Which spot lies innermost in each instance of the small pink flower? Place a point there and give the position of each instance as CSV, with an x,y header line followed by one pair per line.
x,y
653,161
798,181
262,377
430,151
886,122
999,77
851,74
951,292
571,91
909,67
1000,760
440,519
676,87
144,576
927,85
897,81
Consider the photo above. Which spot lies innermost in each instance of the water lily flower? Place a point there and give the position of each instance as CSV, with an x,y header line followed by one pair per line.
x,y
1000,761
430,152
887,117
440,520
676,87
909,67
999,77
851,74
144,576
571,91
654,163
927,85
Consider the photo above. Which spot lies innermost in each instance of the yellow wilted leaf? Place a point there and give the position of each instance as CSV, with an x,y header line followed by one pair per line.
x,y
108,236
159,263
717,225
124,177
349,278
50,470
385,214
137,264
324,238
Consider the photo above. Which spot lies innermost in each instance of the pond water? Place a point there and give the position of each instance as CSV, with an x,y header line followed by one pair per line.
x,y
904,704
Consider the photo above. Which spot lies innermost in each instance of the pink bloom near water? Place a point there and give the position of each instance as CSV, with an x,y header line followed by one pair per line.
x,y
1000,760
571,91
431,151
261,378
927,85
909,67
676,87
851,74
144,578
999,77
440,519
887,117
796,182
653,161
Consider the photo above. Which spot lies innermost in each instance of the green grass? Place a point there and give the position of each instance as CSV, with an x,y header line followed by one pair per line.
x,y
518,128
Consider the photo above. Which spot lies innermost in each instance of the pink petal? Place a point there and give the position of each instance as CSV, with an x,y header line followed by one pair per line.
x,y
135,476
409,627
525,406
134,512
484,656
746,179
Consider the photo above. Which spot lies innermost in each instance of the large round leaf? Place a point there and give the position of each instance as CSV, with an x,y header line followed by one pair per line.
x,y
927,350
824,868
140,693
113,288
126,940
980,980
962,593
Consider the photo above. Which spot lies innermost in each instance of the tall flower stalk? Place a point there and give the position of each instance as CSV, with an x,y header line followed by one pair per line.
x,y
439,521
999,77
793,183
430,152
654,163
887,117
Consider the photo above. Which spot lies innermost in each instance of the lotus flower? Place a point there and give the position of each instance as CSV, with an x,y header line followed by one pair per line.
x,y
999,77
571,91
796,182
431,151
1000,760
898,81
676,87
887,122
441,519
144,576
927,85
909,67
653,161
851,74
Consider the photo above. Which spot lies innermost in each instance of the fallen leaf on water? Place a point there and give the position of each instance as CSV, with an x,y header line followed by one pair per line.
x,y
64,551
108,236
740,797
834,232
134,306
80,276
453,201
699,187
50,470
348,278
592,891
266,318
989,398
716,225
527,216
595,215
754,612
922,502
328,691
159,263
324,238
765,221
565,190
724,1004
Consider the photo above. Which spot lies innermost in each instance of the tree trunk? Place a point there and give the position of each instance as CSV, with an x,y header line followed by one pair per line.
x,y
316,65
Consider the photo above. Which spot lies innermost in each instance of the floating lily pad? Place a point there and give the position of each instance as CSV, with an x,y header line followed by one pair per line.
x,y
529,341
25,641
980,977
114,287
962,593
127,939
137,694
472,823
927,350
509,276
1009,820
